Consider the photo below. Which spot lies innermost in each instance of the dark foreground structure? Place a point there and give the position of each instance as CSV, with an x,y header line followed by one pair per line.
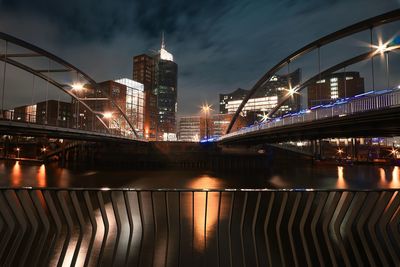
x,y
130,227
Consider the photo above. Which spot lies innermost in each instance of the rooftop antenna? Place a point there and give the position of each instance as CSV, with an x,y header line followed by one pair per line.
x,y
162,40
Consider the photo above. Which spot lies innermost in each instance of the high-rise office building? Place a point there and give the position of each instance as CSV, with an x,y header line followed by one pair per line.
x,y
143,72
266,98
334,86
158,73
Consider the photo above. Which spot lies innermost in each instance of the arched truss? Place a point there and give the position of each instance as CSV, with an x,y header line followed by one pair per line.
x,y
44,74
368,24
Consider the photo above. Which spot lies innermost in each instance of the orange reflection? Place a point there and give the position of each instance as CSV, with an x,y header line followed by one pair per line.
x,y
382,176
41,176
16,175
204,223
395,178
341,183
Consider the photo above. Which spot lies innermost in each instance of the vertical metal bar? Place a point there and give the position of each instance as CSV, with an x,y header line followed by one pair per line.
x,y
94,226
372,60
139,199
114,206
106,225
167,215
266,222
67,216
81,222
26,205
218,226
4,78
192,224
47,94
205,228
253,227
154,226
230,228
319,74
130,222
241,228
56,218
179,223
387,69
44,230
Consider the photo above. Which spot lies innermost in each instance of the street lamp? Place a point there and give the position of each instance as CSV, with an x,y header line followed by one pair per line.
x,y
340,152
206,109
18,150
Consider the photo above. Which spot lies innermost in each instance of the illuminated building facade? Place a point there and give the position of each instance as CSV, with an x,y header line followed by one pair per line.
x,y
196,128
158,73
25,113
335,86
144,72
53,112
134,103
189,129
266,98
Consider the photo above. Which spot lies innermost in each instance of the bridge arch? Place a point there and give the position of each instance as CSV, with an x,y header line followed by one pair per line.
x,y
35,51
367,24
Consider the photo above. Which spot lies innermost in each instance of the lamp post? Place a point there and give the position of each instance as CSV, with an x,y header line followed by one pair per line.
x,y
206,109
18,150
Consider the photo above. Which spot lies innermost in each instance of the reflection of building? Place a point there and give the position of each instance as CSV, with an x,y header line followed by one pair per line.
x,y
267,97
158,73
334,86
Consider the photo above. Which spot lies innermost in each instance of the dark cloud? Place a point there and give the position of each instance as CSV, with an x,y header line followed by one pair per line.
x,y
219,45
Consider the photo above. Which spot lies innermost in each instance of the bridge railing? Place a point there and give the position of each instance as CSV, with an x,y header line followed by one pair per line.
x,y
372,101
244,227
91,125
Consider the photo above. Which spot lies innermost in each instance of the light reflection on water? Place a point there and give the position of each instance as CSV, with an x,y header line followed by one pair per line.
x,y
201,216
18,174
341,182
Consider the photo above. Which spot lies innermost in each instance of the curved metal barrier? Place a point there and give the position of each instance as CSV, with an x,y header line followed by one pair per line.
x,y
261,227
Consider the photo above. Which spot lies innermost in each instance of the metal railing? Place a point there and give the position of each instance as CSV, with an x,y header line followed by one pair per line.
x,y
261,227
69,124
340,109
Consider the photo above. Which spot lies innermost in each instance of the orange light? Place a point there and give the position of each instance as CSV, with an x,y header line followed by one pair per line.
x,y
206,108
77,86
107,115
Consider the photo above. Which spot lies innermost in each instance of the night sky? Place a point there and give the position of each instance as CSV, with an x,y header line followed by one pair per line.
x,y
218,45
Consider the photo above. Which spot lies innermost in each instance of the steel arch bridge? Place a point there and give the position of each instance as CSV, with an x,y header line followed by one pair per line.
x,y
375,50
24,61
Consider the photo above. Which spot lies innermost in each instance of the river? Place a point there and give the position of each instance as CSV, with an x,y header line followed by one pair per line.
x,y
21,174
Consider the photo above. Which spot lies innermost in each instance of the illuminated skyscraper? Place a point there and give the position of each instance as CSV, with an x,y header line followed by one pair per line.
x,y
158,73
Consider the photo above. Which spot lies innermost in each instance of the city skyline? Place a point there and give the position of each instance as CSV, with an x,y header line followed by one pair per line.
x,y
208,40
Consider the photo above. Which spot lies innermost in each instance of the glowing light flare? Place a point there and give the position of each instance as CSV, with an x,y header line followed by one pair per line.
x,y
77,86
107,115
340,151
206,108
292,90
